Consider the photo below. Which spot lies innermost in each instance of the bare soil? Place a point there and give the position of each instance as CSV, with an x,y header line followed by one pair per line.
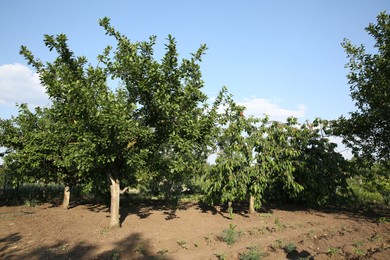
x,y
152,230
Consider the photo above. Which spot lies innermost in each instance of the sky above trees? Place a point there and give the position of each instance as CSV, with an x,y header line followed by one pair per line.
x,y
282,58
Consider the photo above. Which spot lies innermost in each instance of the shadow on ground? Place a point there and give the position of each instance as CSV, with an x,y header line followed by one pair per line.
x,y
132,247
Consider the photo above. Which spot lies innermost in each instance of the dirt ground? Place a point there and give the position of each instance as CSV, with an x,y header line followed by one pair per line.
x,y
151,230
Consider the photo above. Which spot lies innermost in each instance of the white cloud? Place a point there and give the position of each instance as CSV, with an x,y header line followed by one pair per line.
x,y
259,106
19,84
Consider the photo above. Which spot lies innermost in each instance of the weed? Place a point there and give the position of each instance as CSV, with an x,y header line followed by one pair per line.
x,y
57,249
375,238
220,256
252,253
277,244
359,251
345,229
311,234
208,239
279,225
358,244
256,231
333,251
162,252
289,248
64,247
30,203
230,235
114,255
140,249
383,220
104,230
183,244
264,215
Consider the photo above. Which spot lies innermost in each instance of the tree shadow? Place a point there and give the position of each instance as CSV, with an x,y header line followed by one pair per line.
x,y
98,208
299,255
144,208
238,208
7,243
340,212
131,247
205,208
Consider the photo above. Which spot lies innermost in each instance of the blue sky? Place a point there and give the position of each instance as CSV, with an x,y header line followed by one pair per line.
x,y
276,57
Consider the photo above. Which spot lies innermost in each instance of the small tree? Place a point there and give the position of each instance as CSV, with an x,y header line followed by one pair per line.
x,y
275,154
254,157
227,180
17,135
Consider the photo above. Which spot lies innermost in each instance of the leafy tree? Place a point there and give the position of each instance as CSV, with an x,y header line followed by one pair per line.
x,y
369,180
227,180
170,102
319,168
275,158
71,91
367,130
94,127
255,156
16,134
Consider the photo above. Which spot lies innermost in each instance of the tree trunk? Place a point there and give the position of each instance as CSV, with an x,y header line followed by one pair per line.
x,y
66,200
251,204
115,195
230,209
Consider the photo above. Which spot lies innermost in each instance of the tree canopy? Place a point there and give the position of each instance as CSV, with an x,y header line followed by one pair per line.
x,y
367,129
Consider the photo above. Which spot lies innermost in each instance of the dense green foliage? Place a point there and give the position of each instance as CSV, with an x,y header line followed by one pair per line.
x,y
367,129
370,184
319,168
